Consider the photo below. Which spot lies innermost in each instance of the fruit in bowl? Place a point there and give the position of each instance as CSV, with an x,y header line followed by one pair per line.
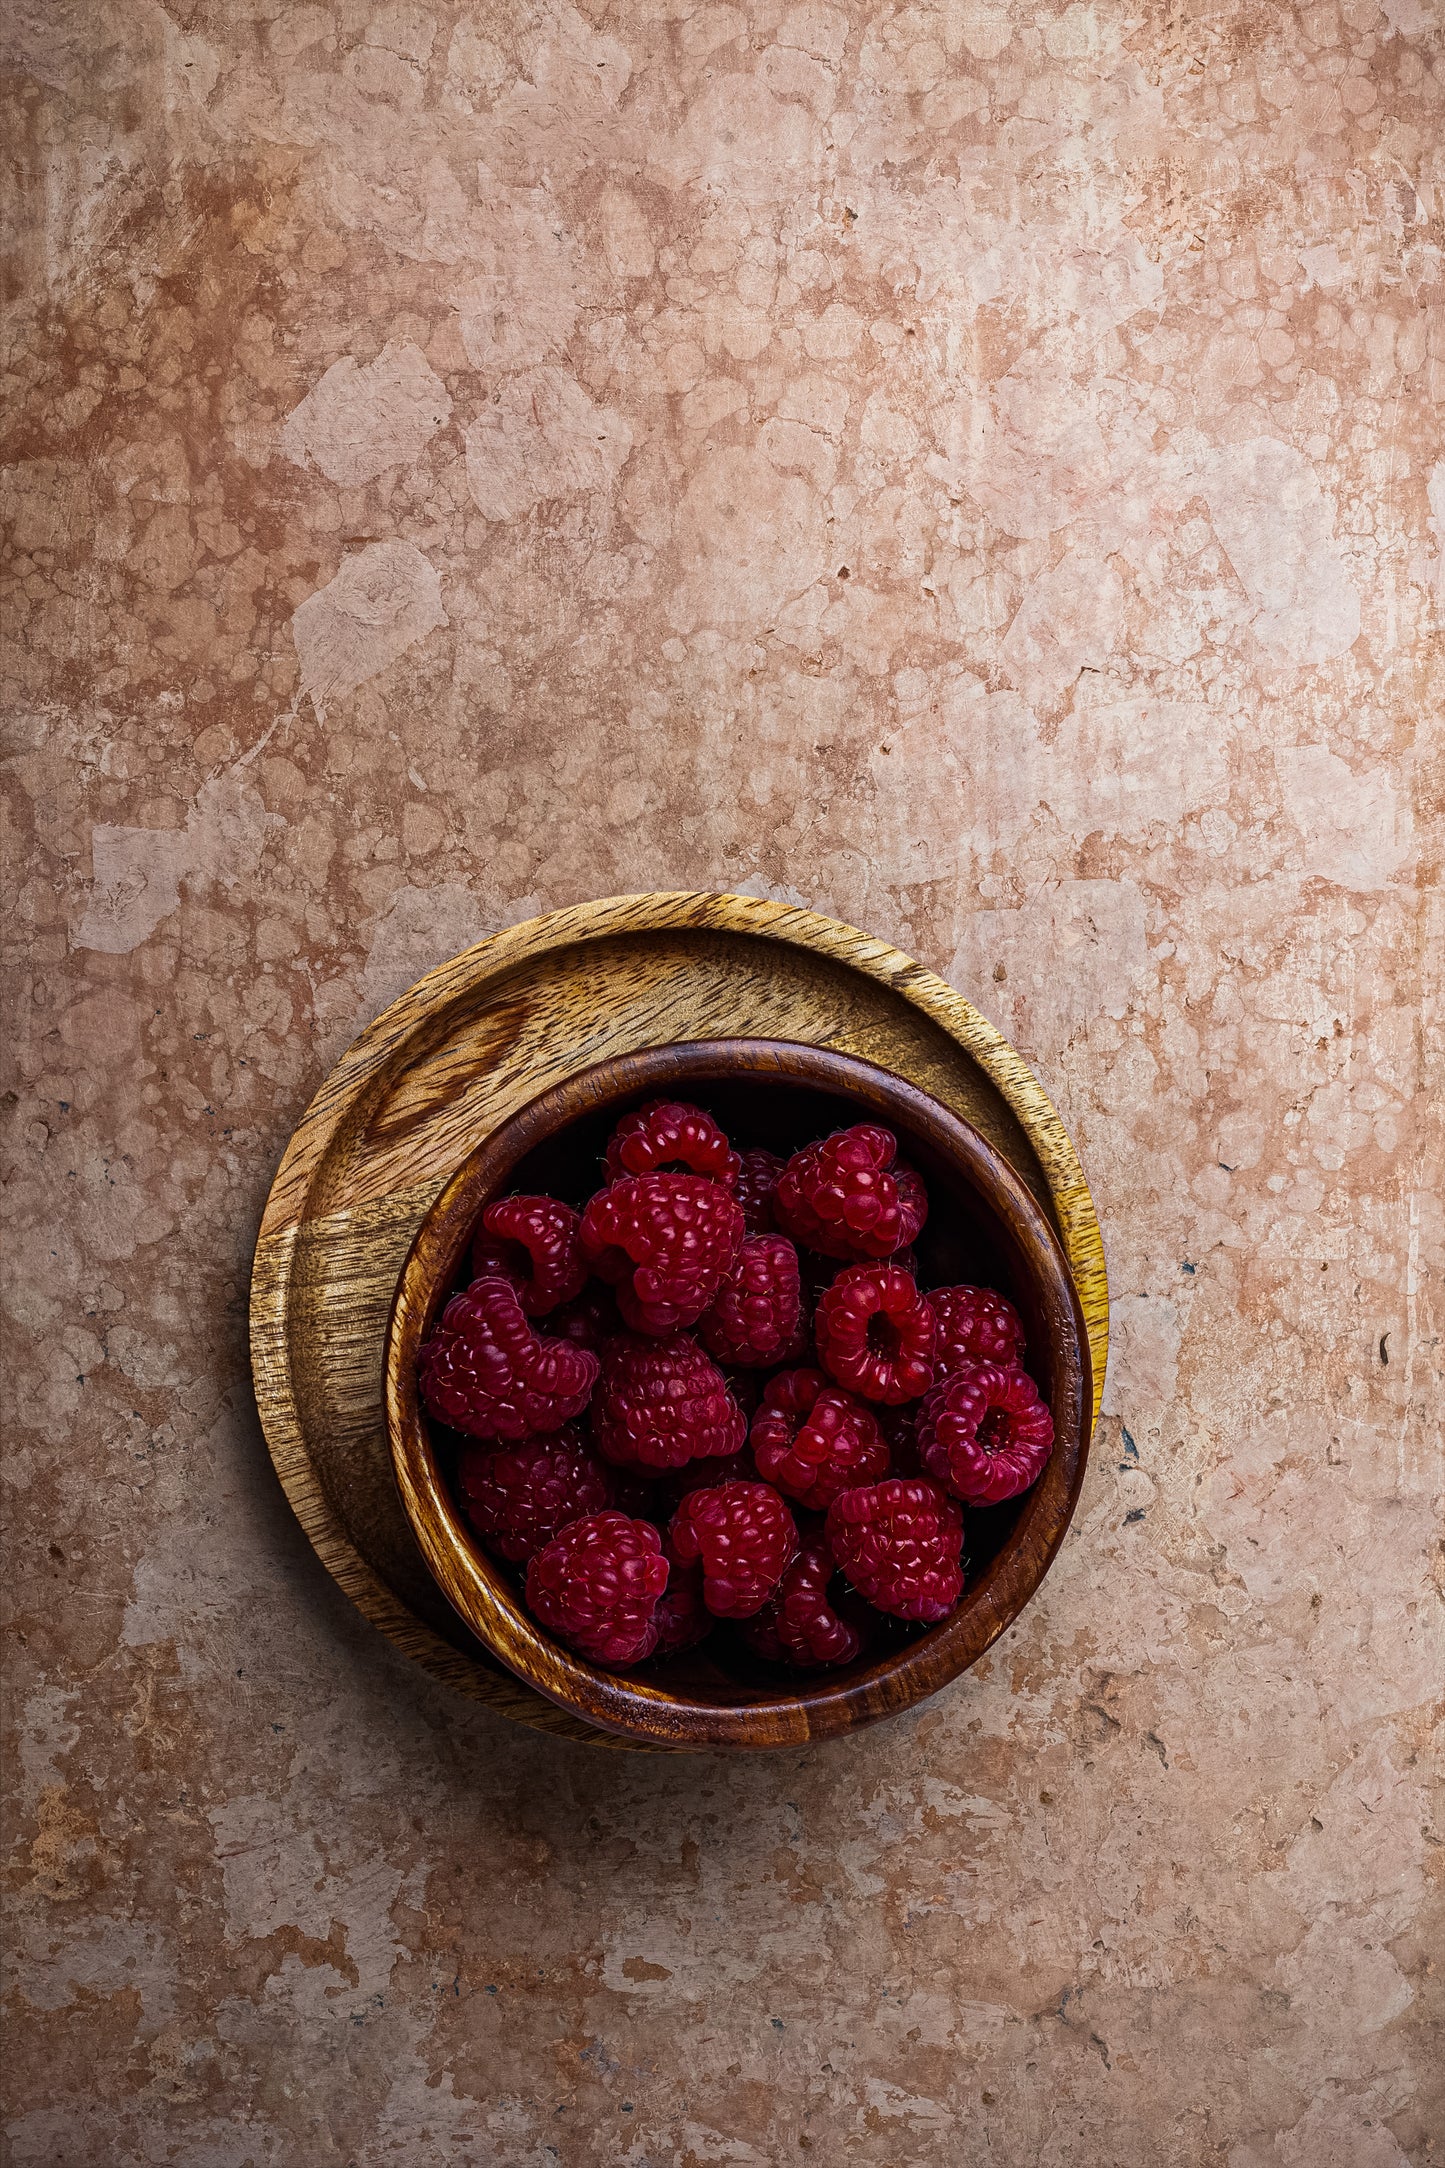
x,y
666,1233
737,1393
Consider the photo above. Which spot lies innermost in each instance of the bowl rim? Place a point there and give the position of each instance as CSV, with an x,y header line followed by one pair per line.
x,y
640,1710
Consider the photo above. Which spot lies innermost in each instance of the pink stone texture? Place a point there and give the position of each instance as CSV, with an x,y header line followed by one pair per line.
x,y
973,467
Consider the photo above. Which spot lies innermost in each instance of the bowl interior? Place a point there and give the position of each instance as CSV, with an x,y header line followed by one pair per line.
x,y
984,1226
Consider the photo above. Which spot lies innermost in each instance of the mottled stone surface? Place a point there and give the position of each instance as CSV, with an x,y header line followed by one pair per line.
x,y
973,466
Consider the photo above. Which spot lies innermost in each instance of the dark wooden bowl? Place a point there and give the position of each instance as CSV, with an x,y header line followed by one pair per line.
x,y
985,1225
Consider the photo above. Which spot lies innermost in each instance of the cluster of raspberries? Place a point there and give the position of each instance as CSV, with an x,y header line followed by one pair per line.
x,y
718,1392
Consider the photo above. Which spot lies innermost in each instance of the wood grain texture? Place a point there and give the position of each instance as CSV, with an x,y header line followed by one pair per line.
x,y
463,1050
975,1196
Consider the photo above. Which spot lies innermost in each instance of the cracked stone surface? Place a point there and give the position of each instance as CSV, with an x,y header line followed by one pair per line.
x,y
975,467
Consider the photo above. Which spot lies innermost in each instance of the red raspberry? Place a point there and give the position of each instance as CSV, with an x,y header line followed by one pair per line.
x,y
519,1496
669,1136
985,1433
757,1316
487,1371
876,1333
661,1403
975,1324
813,1439
839,1196
801,1625
666,1242
757,1179
591,1321
596,1587
683,1619
900,1544
745,1537
533,1242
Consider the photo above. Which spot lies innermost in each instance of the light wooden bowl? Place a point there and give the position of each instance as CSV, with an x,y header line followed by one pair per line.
x,y
986,1225
457,1055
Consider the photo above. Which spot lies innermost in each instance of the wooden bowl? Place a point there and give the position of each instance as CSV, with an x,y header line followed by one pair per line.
x,y
985,1225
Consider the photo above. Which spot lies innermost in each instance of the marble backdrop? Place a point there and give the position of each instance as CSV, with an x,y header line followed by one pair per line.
x,y
976,468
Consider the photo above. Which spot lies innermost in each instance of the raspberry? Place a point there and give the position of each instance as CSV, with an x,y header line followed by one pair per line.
x,y
975,1324
800,1624
487,1371
839,1196
899,1543
596,1587
757,1316
985,1433
661,1403
757,1179
683,1619
876,1333
533,1242
590,1321
667,1135
813,1439
912,1200
518,1497
666,1242
745,1537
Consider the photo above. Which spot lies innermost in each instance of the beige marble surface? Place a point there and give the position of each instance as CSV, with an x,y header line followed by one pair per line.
x,y
975,467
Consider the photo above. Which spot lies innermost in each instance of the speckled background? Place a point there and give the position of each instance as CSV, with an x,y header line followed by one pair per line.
x,y
976,468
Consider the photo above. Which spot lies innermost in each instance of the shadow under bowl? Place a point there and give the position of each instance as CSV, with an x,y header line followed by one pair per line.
x,y
985,1226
